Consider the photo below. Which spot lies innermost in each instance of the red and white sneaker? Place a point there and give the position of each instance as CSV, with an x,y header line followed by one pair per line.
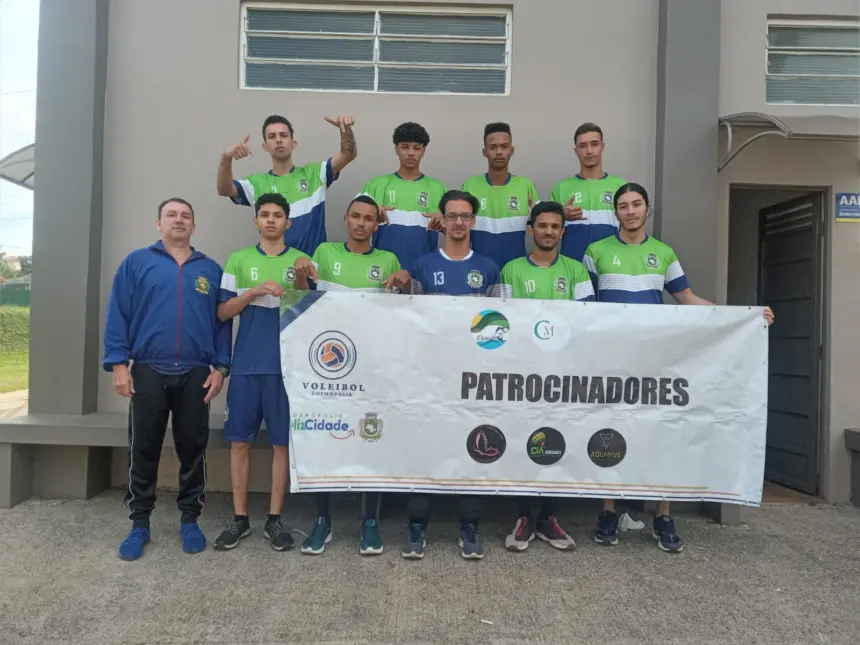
x,y
523,534
548,530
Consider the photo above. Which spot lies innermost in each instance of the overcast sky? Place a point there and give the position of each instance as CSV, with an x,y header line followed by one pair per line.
x,y
19,29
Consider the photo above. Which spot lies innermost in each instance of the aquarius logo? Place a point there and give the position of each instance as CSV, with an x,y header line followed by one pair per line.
x,y
332,355
490,329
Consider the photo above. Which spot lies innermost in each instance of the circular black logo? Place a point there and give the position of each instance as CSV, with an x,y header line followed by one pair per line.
x,y
607,448
545,446
486,444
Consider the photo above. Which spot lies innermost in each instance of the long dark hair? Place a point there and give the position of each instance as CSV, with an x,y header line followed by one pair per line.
x,y
630,187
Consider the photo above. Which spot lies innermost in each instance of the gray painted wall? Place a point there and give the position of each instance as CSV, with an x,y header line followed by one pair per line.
x,y
173,104
65,321
743,61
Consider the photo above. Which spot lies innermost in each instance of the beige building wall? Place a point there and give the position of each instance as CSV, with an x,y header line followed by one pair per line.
x,y
173,105
834,166
743,52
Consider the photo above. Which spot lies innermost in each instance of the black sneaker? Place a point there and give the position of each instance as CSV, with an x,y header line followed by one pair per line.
x,y
664,532
471,544
522,534
230,537
278,534
413,542
607,529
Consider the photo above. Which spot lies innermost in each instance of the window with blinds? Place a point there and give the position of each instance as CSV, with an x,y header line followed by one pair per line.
x,y
813,63
373,49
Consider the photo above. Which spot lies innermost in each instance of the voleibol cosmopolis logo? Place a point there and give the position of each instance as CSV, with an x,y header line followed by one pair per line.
x,y
332,355
550,334
490,329
486,444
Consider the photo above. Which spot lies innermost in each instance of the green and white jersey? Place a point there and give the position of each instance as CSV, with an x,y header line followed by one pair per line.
x,y
339,269
594,197
257,342
304,188
634,273
564,279
503,213
406,235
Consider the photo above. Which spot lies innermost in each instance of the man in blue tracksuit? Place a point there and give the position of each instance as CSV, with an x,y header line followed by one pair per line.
x,y
162,318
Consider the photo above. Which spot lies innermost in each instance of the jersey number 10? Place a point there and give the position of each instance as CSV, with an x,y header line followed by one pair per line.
x,y
530,286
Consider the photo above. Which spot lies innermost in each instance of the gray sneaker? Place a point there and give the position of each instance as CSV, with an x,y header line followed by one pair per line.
x,y
413,542
471,543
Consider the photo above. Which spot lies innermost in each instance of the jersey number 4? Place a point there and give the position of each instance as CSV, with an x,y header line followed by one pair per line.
x,y
616,261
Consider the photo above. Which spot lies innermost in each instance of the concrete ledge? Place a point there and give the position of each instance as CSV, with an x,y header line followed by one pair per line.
x,y
852,442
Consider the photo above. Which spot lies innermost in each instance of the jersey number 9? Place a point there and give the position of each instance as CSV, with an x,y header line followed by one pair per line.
x,y
336,268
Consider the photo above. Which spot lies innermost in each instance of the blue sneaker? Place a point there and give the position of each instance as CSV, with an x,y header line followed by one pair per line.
x,y
132,547
193,540
607,529
314,544
371,541
471,543
413,542
667,538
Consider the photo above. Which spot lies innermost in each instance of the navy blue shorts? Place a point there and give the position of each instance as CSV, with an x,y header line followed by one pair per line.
x,y
253,398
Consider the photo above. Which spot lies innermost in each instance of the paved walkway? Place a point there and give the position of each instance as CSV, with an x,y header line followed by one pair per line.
x,y
792,575
13,404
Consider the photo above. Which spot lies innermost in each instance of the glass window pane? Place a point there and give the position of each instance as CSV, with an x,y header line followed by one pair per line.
x,y
343,22
310,48
465,81
844,65
440,25
398,51
308,77
812,37
827,91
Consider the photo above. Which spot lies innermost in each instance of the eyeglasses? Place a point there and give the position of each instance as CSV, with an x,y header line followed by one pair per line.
x,y
466,217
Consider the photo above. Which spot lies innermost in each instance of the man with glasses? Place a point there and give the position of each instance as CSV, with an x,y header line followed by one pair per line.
x,y
453,270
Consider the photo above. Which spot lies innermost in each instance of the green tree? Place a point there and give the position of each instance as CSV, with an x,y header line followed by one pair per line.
x,y
6,272
26,265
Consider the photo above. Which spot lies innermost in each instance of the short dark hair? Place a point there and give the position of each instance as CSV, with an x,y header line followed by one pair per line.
x,y
362,199
178,200
277,118
493,128
272,198
411,133
458,196
546,207
585,128
630,187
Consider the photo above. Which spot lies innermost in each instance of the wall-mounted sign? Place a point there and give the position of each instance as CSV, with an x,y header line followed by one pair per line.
x,y
848,207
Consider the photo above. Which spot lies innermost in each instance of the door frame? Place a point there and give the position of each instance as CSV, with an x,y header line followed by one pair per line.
x,y
822,412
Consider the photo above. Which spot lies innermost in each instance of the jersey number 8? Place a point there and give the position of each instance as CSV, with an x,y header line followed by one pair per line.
x,y
254,274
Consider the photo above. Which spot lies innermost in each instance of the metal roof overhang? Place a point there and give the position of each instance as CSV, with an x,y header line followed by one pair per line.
x,y
19,167
819,128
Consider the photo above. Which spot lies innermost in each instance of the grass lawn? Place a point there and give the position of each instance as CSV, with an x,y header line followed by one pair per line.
x,y
14,368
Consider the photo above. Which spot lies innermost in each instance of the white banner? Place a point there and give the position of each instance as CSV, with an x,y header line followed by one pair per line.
x,y
525,397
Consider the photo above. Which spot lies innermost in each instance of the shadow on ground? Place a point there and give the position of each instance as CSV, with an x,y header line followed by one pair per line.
x,y
791,575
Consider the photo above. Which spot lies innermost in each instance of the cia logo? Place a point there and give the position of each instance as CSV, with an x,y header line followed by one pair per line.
x,y
475,279
607,198
374,273
370,427
561,284
303,185
422,199
290,274
651,261
514,204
